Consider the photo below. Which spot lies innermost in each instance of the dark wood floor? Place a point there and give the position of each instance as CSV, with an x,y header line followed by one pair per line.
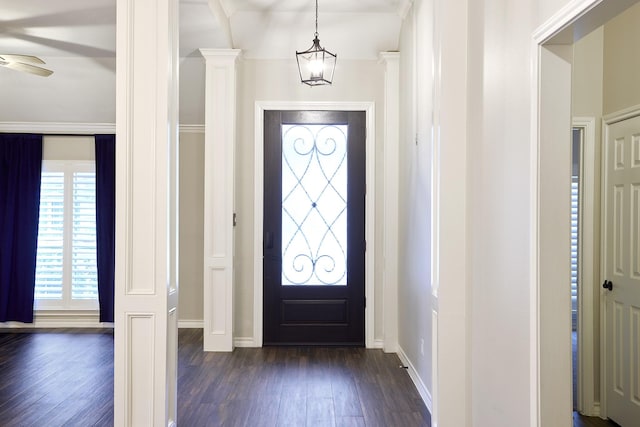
x,y
582,421
57,378
292,386
65,378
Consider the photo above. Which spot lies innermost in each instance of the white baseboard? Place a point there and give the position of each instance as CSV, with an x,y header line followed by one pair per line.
x,y
79,319
244,342
422,388
378,343
190,324
61,319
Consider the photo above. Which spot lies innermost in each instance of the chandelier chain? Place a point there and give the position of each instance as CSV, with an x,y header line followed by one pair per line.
x,y
316,18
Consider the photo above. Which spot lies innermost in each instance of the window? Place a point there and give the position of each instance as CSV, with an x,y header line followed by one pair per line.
x,y
577,138
66,272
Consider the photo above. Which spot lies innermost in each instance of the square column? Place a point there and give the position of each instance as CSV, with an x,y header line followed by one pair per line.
x,y
391,61
146,284
219,196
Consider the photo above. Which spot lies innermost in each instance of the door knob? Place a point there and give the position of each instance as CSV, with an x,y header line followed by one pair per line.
x,y
607,285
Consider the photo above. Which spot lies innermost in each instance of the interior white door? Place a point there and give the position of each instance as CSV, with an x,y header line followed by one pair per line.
x,y
622,271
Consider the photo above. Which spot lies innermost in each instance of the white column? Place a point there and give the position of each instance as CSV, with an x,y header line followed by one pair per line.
x,y
451,383
391,61
219,191
146,321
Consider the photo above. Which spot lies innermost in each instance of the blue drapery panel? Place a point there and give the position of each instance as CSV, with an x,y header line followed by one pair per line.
x,y
20,169
106,222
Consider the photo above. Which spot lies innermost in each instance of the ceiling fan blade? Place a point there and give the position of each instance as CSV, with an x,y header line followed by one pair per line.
x,y
18,66
21,58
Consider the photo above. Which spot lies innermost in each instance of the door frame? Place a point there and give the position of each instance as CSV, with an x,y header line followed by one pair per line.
x,y
258,199
607,121
550,397
587,257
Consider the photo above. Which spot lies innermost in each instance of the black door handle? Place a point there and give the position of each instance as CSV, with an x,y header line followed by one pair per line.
x,y
608,285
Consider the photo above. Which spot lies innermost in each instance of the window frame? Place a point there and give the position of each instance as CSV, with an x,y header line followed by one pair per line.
x,y
67,303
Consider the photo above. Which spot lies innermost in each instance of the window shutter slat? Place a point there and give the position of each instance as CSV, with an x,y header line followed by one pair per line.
x,y
84,270
49,259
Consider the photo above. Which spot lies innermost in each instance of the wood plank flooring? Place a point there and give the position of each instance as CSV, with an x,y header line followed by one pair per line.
x,y
294,386
582,421
65,378
58,378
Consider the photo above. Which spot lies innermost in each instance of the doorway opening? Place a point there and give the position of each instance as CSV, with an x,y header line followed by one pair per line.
x,y
552,319
576,150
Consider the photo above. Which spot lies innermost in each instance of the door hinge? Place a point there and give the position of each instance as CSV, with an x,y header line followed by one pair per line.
x,y
365,246
235,221
365,302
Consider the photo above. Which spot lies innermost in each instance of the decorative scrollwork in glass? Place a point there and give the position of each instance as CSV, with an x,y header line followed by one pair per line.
x,y
314,205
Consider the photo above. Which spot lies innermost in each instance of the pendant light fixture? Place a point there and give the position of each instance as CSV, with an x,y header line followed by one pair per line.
x,y
316,64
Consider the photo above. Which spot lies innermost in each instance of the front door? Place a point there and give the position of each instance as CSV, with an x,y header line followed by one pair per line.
x,y
314,227
622,271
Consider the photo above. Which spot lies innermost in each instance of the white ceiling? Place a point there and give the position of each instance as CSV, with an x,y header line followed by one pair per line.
x,y
77,40
261,28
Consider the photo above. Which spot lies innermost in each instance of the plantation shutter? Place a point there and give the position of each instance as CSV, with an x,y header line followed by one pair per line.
x,y
84,274
49,256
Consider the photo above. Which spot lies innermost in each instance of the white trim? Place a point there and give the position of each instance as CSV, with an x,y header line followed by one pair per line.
x,y
244,342
417,381
191,128
191,324
54,128
258,226
534,306
562,19
391,189
404,6
80,319
378,344
62,319
620,115
587,259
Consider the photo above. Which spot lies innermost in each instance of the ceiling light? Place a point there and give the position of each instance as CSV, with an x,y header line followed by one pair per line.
x,y
316,64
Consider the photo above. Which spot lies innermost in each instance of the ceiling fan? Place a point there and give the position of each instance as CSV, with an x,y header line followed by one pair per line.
x,y
24,63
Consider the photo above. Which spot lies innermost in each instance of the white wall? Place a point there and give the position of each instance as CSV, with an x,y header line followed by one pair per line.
x,y
414,281
191,214
499,212
621,61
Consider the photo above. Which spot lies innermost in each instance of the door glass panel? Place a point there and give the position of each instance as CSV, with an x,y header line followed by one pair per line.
x,y
314,205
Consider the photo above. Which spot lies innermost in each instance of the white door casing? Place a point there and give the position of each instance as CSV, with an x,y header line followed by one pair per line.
x,y
621,267
260,107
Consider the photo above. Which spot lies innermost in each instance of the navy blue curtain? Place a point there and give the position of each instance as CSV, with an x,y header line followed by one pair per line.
x,y
106,222
20,170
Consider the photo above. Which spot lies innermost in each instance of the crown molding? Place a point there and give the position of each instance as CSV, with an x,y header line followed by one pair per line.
x,y
403,8
52,128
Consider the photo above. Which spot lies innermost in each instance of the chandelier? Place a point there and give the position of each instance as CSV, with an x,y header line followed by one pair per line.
x,y
316,64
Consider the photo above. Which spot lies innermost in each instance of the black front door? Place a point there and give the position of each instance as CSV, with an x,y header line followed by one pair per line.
x,y
314,228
